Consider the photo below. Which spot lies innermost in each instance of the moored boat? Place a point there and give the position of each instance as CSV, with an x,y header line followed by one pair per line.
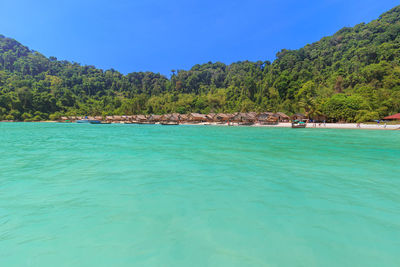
x,y
169,123
91,121
83,121
98,122
299,124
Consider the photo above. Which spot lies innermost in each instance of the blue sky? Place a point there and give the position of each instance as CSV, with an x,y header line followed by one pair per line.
x,y
161,35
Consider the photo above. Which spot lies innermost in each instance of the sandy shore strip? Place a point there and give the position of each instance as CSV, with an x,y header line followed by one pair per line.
x,y
314,126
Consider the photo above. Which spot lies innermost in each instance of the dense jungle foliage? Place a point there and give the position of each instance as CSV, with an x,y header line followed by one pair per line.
x,y
353,75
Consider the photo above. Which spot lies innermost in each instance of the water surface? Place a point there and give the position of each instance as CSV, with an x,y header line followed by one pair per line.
x,y
131,195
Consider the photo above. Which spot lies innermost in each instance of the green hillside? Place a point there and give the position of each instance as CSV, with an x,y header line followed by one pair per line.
x,y
353,75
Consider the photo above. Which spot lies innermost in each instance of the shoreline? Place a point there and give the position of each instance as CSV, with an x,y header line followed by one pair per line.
x,y
312,126
280,125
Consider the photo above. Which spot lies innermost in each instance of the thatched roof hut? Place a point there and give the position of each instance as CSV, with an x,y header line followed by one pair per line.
x,y
298,116
131,118
175,117
183,117
268,118
244,117
154,118
251,116
63,118
141,118
283,117
197,117
210,117
222,117
264,116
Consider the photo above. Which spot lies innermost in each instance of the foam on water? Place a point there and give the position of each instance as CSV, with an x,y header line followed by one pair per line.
x,y
131,195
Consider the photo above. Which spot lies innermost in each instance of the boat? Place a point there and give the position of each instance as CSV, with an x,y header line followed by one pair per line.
x,y
299,124
91,121
169,123
98,122
83,121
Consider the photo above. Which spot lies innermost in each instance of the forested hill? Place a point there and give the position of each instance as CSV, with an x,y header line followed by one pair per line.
x,y
353,75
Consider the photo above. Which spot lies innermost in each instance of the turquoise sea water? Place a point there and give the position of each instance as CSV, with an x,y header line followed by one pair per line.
x,y
131,195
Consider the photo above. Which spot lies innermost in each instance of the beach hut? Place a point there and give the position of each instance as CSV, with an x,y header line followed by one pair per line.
x,y
170,119
141,118
245,118
237,117
99,118
282,117
131,118
251,117
393,117
222,117
154,118
268,118
210,117
298,116
197,117
175,117
183,117
63,118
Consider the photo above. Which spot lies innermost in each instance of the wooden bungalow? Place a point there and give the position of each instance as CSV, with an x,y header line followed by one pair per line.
x,y
268,118
298,116
170,119
282,117
222,117
210,117
175,117
237,117
141,118
154,118
131,118
183,117
197,117
245,118
252,116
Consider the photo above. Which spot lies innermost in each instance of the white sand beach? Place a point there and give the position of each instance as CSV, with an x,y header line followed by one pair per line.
x,y
363,126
